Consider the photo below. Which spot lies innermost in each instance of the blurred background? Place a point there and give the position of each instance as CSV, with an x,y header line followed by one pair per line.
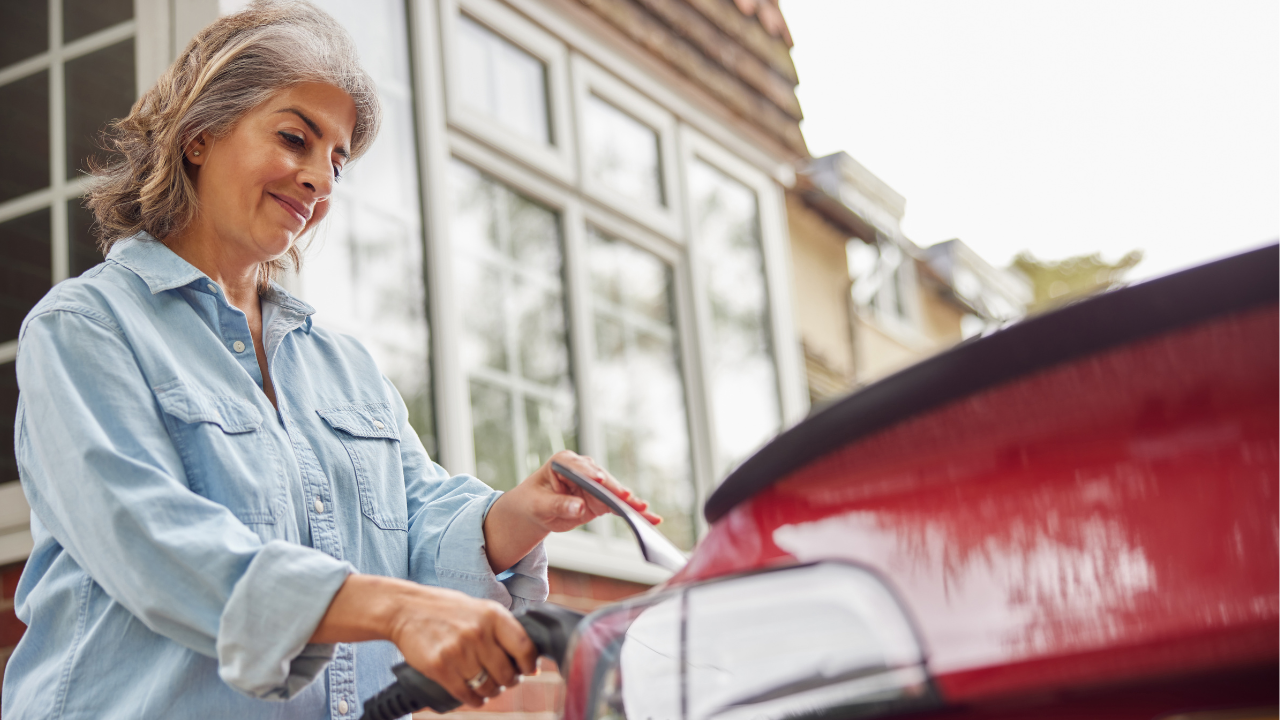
x,y
660,231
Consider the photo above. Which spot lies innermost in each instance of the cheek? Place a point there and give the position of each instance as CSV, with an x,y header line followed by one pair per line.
x,y
317,214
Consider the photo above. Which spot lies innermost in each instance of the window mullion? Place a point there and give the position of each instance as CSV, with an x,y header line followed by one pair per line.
x,y
60,254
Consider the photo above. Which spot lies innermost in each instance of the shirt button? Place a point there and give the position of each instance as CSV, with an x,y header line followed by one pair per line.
x,y
342,707
213,288
319,506
238,346
378,424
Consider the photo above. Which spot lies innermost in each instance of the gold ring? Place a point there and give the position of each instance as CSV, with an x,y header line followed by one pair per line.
x,y
475,682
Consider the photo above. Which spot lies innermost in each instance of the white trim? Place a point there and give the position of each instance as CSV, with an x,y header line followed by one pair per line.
x,y
788,363
59,53
44,197
453,416
517,177
557,158
60,260
596,554
590,79
15,524
153,46
630,72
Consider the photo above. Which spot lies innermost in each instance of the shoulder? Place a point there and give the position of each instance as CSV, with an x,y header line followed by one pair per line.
x,y
96,296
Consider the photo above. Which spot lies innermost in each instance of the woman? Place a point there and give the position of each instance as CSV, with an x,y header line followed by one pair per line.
x,y
223,494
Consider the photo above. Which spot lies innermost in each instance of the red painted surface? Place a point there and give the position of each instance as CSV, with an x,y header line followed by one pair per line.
x,y
1110,520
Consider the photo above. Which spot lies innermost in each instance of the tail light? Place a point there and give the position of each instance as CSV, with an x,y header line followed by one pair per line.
x,y
803,641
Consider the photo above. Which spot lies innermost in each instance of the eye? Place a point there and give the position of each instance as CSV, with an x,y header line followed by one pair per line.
x,y
337,174
295,140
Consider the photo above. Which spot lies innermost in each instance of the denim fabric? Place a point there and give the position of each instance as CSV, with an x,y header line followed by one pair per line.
x,y
189,537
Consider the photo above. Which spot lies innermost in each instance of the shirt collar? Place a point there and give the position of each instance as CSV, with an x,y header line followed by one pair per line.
x,y
161,269
158,266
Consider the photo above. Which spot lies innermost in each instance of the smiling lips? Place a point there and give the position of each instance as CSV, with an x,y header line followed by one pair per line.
x,y
294,207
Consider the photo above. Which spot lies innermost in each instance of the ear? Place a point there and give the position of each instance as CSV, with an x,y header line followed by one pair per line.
x,y
197,151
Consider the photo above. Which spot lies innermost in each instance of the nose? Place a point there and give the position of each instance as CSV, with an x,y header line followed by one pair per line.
x,y
317,177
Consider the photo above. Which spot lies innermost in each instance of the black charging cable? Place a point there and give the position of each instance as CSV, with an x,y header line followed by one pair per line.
x,y
548,626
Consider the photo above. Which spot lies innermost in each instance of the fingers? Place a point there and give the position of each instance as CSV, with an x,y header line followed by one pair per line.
x,y
587,467
515,645
474,654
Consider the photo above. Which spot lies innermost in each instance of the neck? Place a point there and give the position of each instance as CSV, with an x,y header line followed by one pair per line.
x,y
235,274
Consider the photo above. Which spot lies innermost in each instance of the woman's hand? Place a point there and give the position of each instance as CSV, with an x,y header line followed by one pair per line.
x,y
546,503
443,634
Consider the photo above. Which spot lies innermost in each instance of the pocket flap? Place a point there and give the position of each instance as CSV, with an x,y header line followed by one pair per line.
x,y
231,414
367,421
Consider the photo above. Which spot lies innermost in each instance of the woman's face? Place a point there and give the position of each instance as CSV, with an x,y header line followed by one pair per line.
x,y
270,178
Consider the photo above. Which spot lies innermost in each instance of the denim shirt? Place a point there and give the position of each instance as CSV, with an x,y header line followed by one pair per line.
x,y
188,536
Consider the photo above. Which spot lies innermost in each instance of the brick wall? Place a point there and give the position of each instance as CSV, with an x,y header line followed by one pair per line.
x,y
11,628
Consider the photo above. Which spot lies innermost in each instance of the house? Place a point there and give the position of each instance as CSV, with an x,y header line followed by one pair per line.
x,y
586,224
903,302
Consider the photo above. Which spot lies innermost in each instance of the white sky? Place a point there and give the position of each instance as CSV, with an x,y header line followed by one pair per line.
x,y
1061,126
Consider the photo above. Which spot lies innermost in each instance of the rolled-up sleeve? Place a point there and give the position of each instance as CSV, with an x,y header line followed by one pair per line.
x,y
103,476
446,530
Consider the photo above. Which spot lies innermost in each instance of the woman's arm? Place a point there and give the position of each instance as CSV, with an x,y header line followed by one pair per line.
x,y
104,477
545,503
448,636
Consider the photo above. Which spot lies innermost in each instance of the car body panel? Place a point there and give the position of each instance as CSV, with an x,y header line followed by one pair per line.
x,y
1112,516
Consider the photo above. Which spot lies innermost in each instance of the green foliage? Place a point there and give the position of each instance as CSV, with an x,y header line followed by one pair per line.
x,y
1058,282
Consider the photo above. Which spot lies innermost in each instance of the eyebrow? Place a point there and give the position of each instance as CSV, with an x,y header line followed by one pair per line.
x,y
316,129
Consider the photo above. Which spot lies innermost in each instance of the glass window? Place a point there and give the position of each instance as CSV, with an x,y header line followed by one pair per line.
x,y
81,244
84,17
622,152
24,269
502,81
26,135
744,381
99,89
26,30
637,386
364,270
514,340
8,415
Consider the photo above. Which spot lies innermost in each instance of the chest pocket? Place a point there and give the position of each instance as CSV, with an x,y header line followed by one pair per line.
x,y
224,451
372,440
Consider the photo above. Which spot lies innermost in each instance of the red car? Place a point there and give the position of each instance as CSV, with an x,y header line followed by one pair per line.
x,y
1075,516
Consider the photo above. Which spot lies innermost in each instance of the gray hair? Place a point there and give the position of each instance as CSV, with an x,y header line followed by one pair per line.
x,y
229,68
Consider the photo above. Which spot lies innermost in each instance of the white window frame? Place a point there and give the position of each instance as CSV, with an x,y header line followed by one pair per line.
x,y
793,400
556,159
676,257
446,133
152,37
569,209
590,79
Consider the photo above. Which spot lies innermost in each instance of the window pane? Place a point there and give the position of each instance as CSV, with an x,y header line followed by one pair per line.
x,y
26,135
508,270
502,81
637,386
8,414
550,428
26,29
744,382
25,270
491,425
83,17
83,246
100,88
366,273
622,153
